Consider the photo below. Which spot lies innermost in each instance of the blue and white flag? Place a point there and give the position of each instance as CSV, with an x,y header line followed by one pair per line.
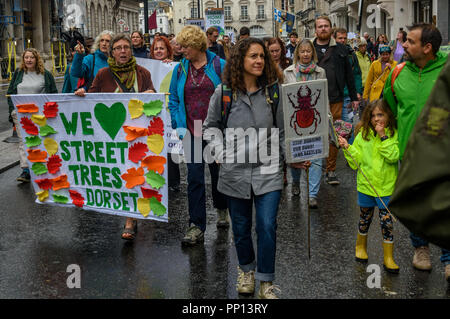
x,y
277,15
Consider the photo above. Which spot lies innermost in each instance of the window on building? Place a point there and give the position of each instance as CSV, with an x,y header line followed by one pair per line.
x,y
244,11
160,20
260,11
257,31
227,12
194,13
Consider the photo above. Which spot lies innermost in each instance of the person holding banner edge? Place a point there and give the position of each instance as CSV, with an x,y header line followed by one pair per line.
x,y
122,75
30,78
305,68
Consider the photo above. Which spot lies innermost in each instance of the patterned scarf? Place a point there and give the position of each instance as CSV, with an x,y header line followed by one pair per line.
x,y
125,72
304,72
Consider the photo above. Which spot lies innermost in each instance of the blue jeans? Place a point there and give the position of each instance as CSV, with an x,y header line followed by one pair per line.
x,y
346,116
315,176
419,242
197,190
241,213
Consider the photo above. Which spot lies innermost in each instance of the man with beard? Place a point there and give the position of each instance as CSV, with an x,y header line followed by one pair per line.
x,y
333,57
407,96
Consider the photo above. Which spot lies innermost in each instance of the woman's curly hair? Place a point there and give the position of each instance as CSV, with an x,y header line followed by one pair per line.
x,y
39,61
233,74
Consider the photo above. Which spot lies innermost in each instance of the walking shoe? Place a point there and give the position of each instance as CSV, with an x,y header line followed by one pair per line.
x,y
331,178
313,203
24,177
222,218
193,236
266,290
295,189
447,273
245,281
421,259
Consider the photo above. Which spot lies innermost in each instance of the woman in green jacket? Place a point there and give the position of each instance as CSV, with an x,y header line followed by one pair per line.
x,y
375,152
30,78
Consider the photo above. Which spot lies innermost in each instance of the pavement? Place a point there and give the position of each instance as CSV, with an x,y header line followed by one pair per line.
x,y
9,152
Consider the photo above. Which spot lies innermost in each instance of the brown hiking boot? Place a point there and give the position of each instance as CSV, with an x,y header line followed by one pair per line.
x,y
421,259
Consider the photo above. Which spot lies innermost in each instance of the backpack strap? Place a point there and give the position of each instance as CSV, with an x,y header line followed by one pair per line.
x,y
394,75
227,98
273,98
217,68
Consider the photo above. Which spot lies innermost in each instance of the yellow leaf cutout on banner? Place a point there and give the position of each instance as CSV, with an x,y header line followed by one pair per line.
x,y
51,146
40,120
155,143
136,108
143,205
42,195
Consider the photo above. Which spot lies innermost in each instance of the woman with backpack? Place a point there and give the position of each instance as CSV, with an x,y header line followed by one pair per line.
x,y
244,102
193,82
87,67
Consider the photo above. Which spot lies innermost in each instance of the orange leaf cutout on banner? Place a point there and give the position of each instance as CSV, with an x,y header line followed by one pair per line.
x,y
60,182
27,108
134,132
29,126
37,156
134,177
149,193
53,164
156,126
154,163
137,152
77,198
50,109
44,183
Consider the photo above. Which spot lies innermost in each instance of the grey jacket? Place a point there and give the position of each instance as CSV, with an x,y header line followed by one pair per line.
x,y
257,173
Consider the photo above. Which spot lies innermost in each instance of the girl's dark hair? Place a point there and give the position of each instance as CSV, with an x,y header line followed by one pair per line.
x,y
233,74
284,62
365,125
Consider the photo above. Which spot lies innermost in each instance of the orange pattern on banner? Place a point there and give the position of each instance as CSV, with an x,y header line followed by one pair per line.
x,y
134,177
60,182
37,156
27,108
134,132
154,163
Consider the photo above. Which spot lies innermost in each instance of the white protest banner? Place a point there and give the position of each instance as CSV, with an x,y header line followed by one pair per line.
x,y
214,17
161,73
305,107
105,152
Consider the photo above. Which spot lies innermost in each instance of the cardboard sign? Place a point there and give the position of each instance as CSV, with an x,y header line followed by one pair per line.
x,y
305,108
105,152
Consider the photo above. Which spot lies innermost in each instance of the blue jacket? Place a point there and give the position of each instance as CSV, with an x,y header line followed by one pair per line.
x,y
176,90
82,65
70,82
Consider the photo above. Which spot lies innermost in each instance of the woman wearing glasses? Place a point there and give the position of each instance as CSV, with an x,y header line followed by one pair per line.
x,y
123,75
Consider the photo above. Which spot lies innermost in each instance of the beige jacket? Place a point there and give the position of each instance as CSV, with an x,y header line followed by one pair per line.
x,y
290,75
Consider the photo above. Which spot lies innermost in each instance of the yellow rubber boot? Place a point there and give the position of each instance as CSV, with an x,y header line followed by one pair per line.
x,y
361,248
389,263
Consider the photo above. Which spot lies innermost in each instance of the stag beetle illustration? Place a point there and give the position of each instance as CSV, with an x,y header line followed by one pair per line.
x,y
305,114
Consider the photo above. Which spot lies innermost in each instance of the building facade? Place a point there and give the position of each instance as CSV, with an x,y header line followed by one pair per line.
x,y
39,23
164,16
254,14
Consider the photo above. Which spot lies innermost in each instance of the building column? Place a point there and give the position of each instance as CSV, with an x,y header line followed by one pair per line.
x,y
36,20
46,32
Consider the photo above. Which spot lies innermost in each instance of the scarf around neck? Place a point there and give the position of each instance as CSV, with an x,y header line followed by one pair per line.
x,y
125,72
304,71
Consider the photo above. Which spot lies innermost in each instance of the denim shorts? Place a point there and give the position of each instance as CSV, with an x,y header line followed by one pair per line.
x,y
371,201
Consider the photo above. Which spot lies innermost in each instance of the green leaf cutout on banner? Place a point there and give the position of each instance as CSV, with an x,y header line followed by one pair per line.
x,y
157,208
110,118
32,141
153,108
155,180
46,130
39,168
60,199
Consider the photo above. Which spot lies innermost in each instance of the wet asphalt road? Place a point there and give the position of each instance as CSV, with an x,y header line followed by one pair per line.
x,y
38,242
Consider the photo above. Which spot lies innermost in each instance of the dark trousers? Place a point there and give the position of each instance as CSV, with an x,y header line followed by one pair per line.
x,y
174,172
197,189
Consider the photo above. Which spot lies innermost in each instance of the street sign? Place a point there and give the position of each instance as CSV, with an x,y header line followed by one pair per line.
x,y
121,22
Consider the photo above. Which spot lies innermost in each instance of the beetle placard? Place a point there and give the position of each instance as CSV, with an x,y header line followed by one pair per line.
x,y
305,108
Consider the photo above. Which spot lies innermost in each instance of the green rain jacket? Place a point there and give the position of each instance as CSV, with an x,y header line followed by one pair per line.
x,y
412,88
421,199
378,160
